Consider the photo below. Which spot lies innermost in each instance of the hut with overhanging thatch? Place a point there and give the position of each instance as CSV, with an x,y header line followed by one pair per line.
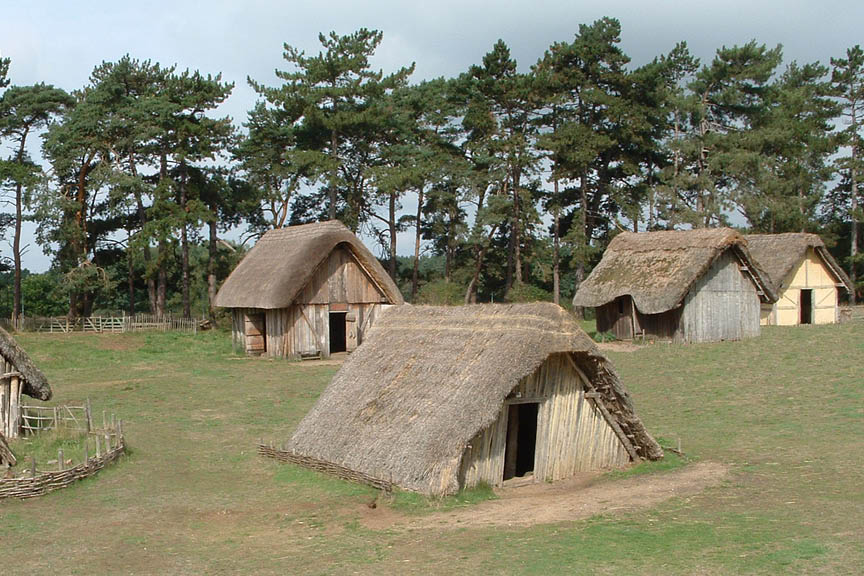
x,y
306,291
443,398
682,285
806,278
20,376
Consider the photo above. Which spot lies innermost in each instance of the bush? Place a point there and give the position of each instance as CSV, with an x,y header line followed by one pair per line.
x,y
528,293
441,293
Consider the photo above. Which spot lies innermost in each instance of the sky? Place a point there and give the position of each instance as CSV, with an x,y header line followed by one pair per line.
x,y
60,42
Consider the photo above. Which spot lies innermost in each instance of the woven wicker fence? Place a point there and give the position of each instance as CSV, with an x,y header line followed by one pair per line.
x,y
326,467
101,447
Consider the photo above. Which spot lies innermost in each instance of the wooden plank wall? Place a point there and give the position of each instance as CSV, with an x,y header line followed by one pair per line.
x,y
722,305
10,401
340,279
615,317
572,434
304,327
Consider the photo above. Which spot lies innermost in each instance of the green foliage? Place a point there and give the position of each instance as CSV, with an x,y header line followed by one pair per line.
x,y
441,293
528,293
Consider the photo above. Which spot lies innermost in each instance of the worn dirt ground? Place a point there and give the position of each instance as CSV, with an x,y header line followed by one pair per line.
x,y
581,497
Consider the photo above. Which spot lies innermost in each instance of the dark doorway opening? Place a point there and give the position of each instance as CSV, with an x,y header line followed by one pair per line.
x,y
806,307
337,332
521,440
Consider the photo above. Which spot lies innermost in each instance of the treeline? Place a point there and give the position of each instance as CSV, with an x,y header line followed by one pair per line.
x,y
516,179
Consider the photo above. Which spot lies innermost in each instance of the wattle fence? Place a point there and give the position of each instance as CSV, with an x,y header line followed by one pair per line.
x,y
102,445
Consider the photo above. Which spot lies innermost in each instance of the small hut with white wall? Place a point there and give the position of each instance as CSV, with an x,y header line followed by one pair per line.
x,y
20,377
807,279
306,291
443,398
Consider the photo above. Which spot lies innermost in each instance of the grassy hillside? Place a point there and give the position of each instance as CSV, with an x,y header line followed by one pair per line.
x,y
785,412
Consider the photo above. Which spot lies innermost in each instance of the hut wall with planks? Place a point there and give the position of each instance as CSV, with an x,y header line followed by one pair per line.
x,y
306,291
684,286
19,377
440,398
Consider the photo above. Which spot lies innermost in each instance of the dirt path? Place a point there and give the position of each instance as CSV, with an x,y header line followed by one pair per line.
x,y
574,499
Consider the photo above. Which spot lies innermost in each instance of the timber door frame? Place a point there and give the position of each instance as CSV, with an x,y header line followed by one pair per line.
x,y
811,306
509,404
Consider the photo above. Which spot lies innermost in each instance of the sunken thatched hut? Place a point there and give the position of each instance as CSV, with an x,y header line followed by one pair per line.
x,y
303,291
806,278
442,398
19,377
686,285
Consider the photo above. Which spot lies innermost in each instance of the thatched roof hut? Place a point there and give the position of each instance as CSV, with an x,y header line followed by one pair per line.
x,y
283,292
283,262
429,401
33,381
806,278
19,376
648,277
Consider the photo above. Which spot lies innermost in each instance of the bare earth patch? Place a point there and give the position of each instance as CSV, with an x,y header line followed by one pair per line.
x,y
574,499
619,346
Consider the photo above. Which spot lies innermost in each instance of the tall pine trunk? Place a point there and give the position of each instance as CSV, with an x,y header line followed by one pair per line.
x,y
416,271
334,174
184,243
16,241
556,249
853,252
391,226
212,254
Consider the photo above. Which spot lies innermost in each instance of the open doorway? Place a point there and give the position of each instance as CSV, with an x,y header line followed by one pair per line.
x,y
806,307
521,440
337,332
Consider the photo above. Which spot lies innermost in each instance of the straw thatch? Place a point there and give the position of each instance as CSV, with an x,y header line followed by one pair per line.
x,y
428,379
658,268
283,261
34,383
779,254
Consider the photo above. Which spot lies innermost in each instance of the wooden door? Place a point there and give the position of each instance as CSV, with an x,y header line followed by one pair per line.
x,y
351,331
256,334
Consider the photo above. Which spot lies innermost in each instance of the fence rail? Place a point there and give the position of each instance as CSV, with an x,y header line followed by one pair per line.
x,y
102,445
107,324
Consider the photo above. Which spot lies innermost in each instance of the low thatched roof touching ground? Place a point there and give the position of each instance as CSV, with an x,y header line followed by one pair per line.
x,y
779,254
283,261
34,382
658,268
428,379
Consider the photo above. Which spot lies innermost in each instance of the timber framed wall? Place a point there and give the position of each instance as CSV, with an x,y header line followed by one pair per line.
x,y
810,274
573,435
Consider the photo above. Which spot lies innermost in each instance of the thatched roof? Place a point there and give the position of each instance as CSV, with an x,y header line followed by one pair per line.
x,y
658,268
283,261
779,254
427,379
34,383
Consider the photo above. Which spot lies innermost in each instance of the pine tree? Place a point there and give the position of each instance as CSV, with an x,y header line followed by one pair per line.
x,y
847,79
24,110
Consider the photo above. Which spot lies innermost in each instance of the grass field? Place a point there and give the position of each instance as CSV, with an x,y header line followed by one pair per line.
x,y
784,412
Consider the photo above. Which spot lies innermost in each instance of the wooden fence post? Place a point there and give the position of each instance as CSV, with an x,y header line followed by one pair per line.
x,y
88,414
